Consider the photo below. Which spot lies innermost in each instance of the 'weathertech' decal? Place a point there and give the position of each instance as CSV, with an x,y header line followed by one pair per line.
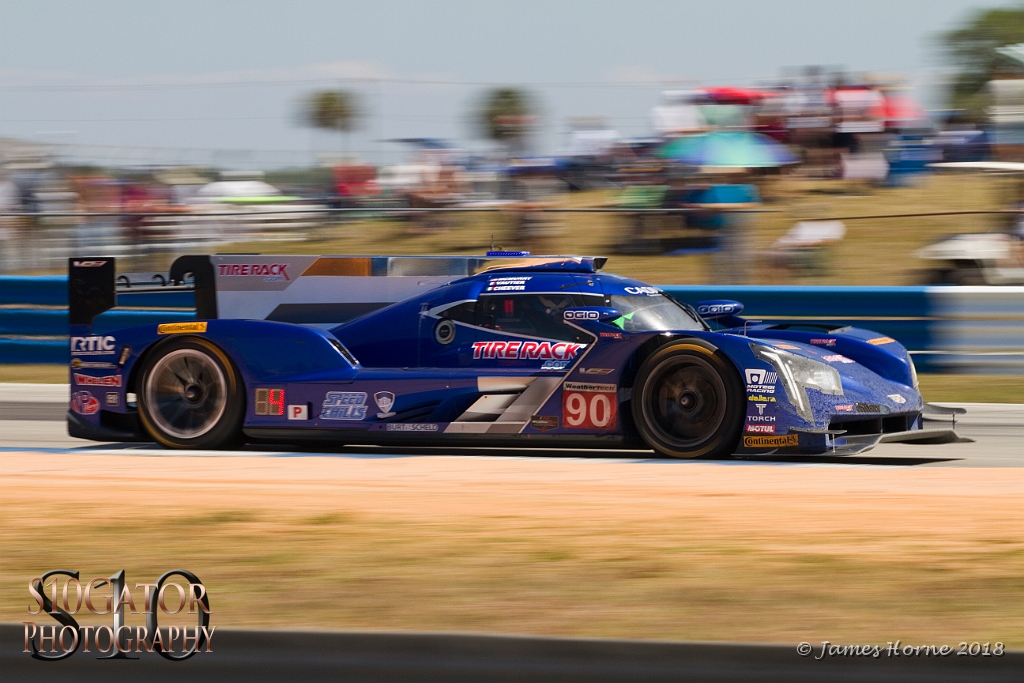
x,y
526,350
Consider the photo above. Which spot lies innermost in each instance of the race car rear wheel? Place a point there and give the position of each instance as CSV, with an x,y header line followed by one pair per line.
x,y
189,396
688,401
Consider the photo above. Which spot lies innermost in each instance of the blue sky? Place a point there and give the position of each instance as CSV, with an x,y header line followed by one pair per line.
x,y
228,75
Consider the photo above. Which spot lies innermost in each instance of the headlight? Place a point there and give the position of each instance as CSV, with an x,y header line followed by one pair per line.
x,y
799,374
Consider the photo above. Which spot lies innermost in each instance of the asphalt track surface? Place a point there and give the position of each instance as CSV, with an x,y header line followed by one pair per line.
x,y
240,655
32,418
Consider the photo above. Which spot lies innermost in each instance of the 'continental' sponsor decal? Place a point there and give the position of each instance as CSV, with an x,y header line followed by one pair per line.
x,y
771,441
878,341
180,328
511,350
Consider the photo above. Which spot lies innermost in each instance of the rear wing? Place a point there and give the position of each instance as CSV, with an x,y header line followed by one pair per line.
x,y
318,290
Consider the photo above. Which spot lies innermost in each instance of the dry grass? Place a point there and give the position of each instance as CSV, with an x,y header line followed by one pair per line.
x,y
560,547
874,252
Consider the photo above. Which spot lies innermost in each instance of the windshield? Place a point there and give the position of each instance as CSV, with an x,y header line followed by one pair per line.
x,y
654,314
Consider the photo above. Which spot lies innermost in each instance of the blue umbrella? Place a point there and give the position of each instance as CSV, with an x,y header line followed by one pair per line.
x,y
728,150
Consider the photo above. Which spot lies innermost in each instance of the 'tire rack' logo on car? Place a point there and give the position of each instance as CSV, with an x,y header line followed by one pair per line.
x,y
275,270
761,381
531,350
344,405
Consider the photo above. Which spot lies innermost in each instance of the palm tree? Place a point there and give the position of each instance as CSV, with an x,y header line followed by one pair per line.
x,y
506,115
332,110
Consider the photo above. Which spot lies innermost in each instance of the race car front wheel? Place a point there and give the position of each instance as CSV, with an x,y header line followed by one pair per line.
x,y
190,396
688,401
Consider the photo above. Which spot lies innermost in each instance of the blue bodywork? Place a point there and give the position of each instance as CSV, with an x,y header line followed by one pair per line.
x,y
495,358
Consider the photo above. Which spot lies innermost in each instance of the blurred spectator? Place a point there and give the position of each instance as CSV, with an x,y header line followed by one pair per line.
x,y
10,238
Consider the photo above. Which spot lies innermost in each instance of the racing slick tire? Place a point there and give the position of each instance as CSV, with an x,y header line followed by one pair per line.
x,y
688,401
190,396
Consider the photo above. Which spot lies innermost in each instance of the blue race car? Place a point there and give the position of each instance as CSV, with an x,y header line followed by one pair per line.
x,y
499,350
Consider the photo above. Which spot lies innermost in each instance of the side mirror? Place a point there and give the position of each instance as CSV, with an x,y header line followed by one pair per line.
x,y
721,308
592,314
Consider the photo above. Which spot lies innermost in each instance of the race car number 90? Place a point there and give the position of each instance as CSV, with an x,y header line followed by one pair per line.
x,y
588,406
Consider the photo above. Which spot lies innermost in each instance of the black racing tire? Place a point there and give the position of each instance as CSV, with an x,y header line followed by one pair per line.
x,y
190,396
688,401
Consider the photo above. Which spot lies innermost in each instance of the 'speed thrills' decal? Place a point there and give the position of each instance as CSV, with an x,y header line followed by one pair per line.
x,y
344,405
588,406
511,350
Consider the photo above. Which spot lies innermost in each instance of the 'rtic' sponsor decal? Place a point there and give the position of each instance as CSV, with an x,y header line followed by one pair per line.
x,y
837,358
544,423
105,381
507,284
84,403
589,406
760,429
649,291
761,381
278,271
344,405
180,328
511,350
412,427
878,341
771,441
94,345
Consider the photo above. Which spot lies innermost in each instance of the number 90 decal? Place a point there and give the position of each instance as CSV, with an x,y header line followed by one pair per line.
x,y
588,406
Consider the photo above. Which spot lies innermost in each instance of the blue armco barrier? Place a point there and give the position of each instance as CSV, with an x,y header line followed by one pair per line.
x,y
45,322
948,329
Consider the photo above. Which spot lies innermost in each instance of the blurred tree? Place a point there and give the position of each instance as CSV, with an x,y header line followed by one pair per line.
x,y
972,49
506,115
331,110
